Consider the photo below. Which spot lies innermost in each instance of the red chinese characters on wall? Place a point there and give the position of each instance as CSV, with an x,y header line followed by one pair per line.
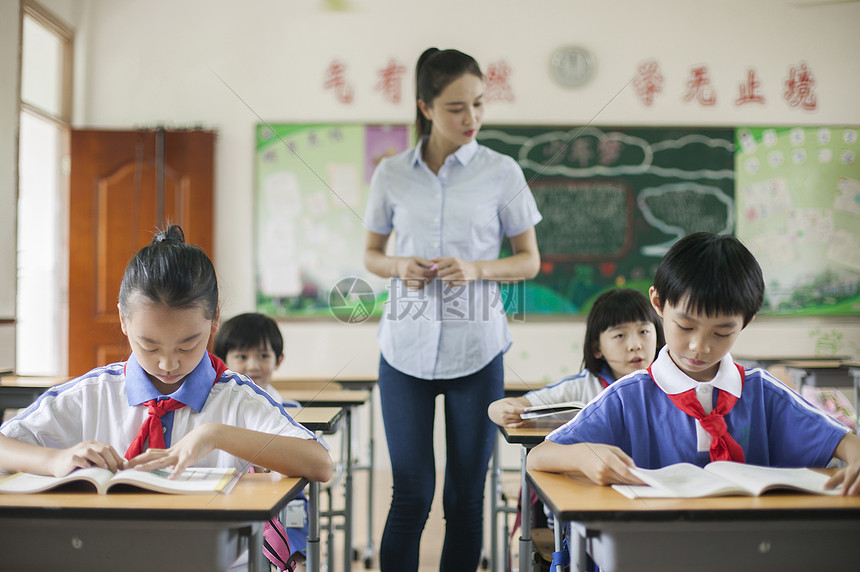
x,y
748,92
799,88
335,79
699,87
498,84
390,81
648,82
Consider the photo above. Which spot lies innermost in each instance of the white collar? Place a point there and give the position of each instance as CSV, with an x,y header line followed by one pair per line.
x,y
673,381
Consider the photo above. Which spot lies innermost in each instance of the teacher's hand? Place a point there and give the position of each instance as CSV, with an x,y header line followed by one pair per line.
x,y
456,272
415,272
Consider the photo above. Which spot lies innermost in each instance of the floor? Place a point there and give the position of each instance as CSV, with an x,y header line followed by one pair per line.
x,y
431,541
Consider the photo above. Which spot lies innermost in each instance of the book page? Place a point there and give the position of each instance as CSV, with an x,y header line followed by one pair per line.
x,y
759,479
195,480
24,483
684,480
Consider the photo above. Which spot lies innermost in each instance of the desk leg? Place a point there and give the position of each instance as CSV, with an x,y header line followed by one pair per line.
x,y
526,526
577,547
494,508
255,548
368,551
558,535
347,496
313,549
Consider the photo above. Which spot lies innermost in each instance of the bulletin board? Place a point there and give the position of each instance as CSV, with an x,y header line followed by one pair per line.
x,y
613,201
799,213
310,186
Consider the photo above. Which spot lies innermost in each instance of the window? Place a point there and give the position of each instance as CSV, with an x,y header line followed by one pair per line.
x,y
45,110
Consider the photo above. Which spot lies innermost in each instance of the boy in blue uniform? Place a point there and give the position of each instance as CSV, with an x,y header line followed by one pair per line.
x,y
694,404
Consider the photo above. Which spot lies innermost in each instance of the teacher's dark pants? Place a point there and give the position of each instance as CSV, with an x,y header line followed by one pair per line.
x,y
408,411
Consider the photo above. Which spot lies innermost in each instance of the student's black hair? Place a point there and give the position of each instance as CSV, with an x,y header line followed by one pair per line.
x,y
171,272
611,309
248,331
435,71
711,274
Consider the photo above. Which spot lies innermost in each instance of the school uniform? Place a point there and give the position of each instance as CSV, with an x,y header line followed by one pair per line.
x,y
773,425
582,387
106,405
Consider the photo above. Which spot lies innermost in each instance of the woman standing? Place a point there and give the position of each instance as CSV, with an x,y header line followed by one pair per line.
x,y
450,202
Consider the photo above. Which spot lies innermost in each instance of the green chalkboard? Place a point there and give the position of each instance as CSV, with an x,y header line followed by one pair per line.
x,y
614,199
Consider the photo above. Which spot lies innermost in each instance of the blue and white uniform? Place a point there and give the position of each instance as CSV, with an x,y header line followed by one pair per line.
x,y
478,198
582,387
773,424
105,405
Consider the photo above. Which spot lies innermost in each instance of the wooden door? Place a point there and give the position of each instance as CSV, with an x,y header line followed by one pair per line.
x,y
124,186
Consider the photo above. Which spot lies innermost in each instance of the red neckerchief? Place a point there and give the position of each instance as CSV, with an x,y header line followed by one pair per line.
x,y
151,428
723,445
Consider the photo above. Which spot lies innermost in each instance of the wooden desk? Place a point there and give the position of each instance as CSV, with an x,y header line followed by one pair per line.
x,y
300,389
529,435
311,399
773,532
518,387
322,421
141,531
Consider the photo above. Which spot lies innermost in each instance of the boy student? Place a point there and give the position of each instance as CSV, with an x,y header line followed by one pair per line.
x,y
694,404
251,344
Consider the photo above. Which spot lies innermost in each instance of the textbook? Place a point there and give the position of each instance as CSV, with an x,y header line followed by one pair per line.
x,y
192,481
564,410
722,478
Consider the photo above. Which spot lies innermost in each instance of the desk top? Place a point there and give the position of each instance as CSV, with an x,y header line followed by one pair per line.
x,y
323,419
532,432
574,497
326,397
517,387
301,383
32,380
257,496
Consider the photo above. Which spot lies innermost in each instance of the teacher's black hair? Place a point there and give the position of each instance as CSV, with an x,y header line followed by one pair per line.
x,y
435,71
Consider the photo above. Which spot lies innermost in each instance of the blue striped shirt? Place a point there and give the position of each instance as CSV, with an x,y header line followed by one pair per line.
x,y
478,198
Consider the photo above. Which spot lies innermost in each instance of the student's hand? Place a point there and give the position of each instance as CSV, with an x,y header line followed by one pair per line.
x,y
86,454
195,445
506,412
456,272
849,478
606,464
415,272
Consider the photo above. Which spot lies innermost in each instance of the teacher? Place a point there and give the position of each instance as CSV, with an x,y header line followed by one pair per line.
x,y
450,203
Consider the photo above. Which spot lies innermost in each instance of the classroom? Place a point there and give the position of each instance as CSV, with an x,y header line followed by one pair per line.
x,y
241,68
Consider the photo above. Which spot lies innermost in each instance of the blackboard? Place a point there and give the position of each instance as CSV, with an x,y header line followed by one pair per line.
x,y
614,199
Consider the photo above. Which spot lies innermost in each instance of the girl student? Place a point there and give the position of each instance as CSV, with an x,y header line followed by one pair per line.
x,y
623,334
450,203
171,404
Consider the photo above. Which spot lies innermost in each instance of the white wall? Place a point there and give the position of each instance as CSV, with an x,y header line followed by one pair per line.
x,y
147,62
9,42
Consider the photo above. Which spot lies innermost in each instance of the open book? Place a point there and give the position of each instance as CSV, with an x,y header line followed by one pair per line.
x,y
192,481
722,478
564,410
